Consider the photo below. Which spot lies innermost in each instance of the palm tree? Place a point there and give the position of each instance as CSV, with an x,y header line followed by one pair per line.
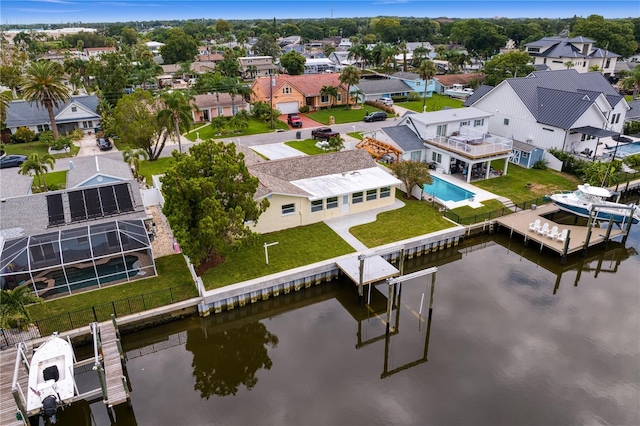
x,y
389,58
252,70
331,92
569,64
349,76
632,82
402,48
38,166
177,108
426,72
5,99
132,158
13,312
43,85
419,54
359,51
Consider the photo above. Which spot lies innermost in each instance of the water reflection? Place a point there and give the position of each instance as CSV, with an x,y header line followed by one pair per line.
x,y
225,360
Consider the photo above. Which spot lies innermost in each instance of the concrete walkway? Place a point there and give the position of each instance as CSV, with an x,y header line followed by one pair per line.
x,y
341,225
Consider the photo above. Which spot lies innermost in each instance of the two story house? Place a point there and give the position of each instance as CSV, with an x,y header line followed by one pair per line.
x,y
256,66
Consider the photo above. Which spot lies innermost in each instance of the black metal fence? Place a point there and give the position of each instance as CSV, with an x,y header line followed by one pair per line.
x,y
481,217
97,313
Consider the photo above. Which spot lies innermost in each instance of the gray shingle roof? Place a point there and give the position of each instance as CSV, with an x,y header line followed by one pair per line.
x,y
555,97
85,168
22,113
526,147
405,138
376,87
14,184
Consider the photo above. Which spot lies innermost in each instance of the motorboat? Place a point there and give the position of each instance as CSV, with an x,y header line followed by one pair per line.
x,y
51,382
587,197
459,91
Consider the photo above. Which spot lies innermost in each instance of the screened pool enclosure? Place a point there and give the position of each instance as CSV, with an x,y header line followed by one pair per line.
x,y
76,259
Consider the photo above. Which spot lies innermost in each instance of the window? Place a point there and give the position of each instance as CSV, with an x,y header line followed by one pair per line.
x,y
544,61
356,197
477,123
43,127
584,64
415,155
288,209
87,124
372,194
316,206
506,121
441,130
465,123
615,118
525,155
385,192
547,129
586,138
287,90
606,65
533,49
436,157
332,203
220,111
324,99
74,109
339,97
234,110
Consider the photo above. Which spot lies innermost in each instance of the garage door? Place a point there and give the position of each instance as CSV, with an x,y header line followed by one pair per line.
x,y
287,107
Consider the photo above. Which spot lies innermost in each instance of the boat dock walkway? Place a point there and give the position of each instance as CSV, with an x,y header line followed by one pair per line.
x,y
8,407
117,392
519,223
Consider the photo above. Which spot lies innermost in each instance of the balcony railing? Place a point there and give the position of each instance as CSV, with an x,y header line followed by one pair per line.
x,y
470,143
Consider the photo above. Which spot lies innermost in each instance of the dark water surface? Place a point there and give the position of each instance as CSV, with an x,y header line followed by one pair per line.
x,y
515,339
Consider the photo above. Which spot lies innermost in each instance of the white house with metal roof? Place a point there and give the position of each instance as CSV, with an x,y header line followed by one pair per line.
x,y
79,112
561,109
306,190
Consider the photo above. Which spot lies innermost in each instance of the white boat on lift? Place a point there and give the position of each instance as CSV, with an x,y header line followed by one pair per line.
x,y
51,382
459,91
581,202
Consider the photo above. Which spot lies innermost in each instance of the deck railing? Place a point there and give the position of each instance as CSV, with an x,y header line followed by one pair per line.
x,y
481,217
472,143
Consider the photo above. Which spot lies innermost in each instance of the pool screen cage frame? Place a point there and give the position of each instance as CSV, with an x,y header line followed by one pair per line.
x,y
81,258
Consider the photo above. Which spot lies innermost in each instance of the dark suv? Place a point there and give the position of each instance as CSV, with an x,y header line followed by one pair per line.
x,y
294,120
375,116
104,144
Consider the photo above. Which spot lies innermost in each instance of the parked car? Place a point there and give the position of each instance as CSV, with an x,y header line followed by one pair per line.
x,y
12,160
104,144
386,101
323,133
375,116
294,120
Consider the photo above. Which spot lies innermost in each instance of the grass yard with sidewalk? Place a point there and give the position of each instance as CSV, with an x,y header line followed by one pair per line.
x,y
514,185
341,114
158,167
296,247
255,127
172,272
308,146
37,147
434,103
414,219
468,215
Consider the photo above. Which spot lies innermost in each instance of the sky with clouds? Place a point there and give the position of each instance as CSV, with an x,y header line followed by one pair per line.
x,y
15,13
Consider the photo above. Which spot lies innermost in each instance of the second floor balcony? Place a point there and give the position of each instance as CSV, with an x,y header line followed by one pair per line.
x,y
472,144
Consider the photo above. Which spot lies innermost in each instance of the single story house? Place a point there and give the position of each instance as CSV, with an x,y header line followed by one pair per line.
x,y
79,112
416,83
445,82
96,52
311,189
97,170
210,105
290,92
374,89
561,109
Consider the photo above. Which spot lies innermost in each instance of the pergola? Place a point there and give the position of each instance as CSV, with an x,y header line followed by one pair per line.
x,y
378,149
597,133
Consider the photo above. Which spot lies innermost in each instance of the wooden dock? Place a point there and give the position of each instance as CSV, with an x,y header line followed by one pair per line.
x,y
8,407
519,223
117,392
375,269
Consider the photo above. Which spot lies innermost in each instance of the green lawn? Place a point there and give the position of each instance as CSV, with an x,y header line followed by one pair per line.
x,y
172,272
296,247
157,167
355,135
434,103
255,127
341,114
414,219
122,146
37,147
514,184
467,215
55,180
308,146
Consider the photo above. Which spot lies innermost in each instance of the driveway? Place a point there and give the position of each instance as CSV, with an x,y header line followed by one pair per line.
x,y
276,151
306,122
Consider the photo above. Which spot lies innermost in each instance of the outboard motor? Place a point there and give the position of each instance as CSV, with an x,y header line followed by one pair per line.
x,y
50,406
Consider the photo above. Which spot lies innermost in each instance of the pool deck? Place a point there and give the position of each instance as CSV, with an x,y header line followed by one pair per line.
x,y
480,194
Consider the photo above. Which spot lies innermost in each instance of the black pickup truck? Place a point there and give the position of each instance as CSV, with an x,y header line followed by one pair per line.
x,y
323,133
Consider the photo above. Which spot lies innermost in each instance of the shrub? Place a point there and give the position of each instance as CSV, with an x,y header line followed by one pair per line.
x,y
540,164
23,135
631,128
415,96
381,106
632,160
304,109
76,135
62,142
400,98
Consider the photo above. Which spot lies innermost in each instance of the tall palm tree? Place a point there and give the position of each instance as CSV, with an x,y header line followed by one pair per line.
x,y
419,54
5,99
13,312
36,165
177,109
132,157
331,92
359,51
402,48
633,81
349,76
43,85
426,72
389,58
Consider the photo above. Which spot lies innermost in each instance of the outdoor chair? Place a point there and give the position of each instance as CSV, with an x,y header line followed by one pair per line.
x,y
562,237
544,229
553,233
534,226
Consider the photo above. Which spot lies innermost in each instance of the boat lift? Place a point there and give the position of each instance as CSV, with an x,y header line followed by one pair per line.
x,y
108,362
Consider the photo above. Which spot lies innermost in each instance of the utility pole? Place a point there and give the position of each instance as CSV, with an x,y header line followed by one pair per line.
x,y
271,83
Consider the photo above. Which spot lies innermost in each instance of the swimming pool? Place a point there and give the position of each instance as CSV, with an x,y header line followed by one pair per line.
x,y
446,191
628,149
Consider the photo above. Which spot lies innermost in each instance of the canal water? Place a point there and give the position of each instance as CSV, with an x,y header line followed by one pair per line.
x,y
514,338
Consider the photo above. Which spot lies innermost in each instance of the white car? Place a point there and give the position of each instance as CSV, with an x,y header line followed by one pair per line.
x,y
386,101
